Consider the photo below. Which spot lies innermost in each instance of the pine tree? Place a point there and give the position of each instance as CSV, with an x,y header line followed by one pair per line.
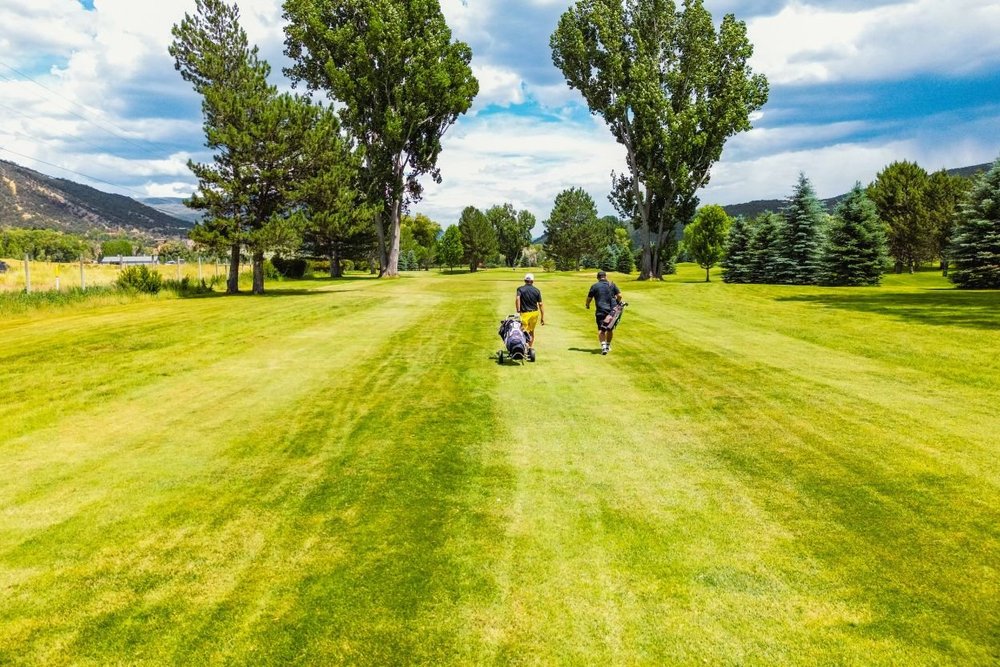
x,y
801,242
856,250
737,265
767,233
975,250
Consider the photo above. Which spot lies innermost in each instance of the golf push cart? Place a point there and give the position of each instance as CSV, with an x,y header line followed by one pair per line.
x,y
517,343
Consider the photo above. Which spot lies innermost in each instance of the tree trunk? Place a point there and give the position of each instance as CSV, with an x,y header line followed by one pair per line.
x,y
391,268
380,231
944,268
258,272
233,281
335,271
707,269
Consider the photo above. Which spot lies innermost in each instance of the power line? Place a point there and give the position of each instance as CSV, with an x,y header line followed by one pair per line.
x,y
115,131
72,171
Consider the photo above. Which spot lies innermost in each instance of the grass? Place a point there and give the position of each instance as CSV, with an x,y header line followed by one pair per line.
x,y
51,276
339,473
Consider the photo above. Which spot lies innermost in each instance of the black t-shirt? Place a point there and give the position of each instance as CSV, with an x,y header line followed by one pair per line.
x,y
531,296
603,293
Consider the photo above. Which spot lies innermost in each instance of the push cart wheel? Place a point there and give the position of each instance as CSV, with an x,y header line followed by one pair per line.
x,y
500,358
531,356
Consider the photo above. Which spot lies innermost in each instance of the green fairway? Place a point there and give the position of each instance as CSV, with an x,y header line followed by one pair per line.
x,y
339,472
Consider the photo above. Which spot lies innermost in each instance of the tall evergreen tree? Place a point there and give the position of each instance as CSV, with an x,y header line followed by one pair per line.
x,y
855,252
975,250
479,239
211,51
331,197
257,135
737,263
765,246
801,242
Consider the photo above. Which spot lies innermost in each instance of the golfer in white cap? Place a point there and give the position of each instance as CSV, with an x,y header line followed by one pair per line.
x,y
528,304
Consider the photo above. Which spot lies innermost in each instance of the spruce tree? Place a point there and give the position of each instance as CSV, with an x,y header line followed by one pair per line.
x,y
801,241
737,265
764,245
856,250
975,250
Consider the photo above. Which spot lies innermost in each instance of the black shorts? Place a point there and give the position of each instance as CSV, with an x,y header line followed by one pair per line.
x,y
600,315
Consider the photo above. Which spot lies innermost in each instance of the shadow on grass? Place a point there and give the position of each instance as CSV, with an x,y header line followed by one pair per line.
x,y
587,350
950,307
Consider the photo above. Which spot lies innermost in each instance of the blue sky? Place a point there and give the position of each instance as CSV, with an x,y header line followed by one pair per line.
x,y
88,92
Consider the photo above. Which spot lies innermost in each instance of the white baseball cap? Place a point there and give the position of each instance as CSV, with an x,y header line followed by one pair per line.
x,y
528,278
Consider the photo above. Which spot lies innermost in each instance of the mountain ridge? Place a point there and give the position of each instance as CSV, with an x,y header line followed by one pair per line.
x,y
30,199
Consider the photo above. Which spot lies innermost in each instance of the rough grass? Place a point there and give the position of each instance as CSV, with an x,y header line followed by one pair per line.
x,y
338,473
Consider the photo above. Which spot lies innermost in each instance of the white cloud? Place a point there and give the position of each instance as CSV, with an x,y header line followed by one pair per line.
x,y
111,66
806,44
501,159
497,85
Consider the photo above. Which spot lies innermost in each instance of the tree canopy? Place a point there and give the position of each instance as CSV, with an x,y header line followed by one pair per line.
x,y
400,82
672,90
975,249
705,237
573,229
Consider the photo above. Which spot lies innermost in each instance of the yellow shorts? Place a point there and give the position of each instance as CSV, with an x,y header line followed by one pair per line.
x,y
529,320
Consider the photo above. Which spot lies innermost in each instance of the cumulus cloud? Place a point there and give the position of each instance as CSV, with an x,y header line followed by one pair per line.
x,y
806,43
499,159
106,100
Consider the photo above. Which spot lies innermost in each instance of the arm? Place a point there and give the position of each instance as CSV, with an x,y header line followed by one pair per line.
x,y
541,312
589,299
517,303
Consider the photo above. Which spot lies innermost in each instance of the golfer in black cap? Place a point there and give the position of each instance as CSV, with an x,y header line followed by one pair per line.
x,y
604,295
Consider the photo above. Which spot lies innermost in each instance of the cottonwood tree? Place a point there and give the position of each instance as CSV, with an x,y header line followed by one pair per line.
x,y
573,229
672,90
900,195
513,230
479,239
450,249
944,196
855,252
400,82
975,250
705,237
801,241
419,238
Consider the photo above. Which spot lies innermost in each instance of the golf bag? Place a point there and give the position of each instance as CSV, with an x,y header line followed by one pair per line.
x,y
513,337
611,319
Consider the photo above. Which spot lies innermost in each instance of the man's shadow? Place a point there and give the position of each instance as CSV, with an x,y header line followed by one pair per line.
x,y
585,349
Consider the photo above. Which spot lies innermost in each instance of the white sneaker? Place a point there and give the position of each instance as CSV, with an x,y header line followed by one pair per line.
x,y
604,349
